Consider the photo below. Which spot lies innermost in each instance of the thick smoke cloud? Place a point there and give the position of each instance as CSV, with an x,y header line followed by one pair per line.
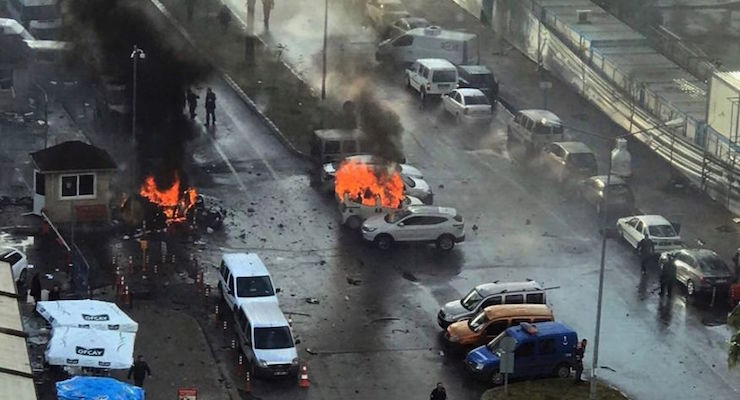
x,y
105,32
381,126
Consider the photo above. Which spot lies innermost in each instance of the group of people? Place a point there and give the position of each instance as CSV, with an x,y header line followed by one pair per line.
x,y
192,101
646,250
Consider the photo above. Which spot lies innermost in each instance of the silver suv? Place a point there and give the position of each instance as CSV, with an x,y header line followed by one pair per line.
x,y
490,294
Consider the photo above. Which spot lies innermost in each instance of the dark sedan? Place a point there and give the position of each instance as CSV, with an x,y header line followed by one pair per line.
x,y
621,199
700,270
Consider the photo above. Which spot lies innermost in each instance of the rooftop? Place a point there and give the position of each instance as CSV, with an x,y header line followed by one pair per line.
x,y
505,287
243,264
73,156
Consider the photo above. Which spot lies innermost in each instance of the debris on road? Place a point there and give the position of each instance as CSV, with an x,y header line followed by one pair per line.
x,y
312,300
354,281
309,351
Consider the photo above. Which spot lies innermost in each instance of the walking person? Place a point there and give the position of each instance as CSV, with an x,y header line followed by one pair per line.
x,y
736,261
140,370
210,107
646,249
35,288
224,17
667,275
267,6
439,392
192,100
580,353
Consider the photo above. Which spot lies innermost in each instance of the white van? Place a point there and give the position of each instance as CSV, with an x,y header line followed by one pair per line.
x,y
430,42
243,278
431,77
266,339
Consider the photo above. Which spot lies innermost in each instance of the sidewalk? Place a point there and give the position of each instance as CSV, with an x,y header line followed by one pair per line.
x,y
704,222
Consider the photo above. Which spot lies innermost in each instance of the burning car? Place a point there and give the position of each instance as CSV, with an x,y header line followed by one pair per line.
x,y
411,176
355,211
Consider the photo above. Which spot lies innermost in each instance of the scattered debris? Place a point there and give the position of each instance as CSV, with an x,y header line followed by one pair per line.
x,y
527,222
354,281
250,210
309,351
243,236
312,300
607,368
409,276
400,330
209,230
385,319
475,227
441,186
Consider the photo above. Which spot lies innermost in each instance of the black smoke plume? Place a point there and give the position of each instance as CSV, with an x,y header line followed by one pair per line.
x,y
105,32
381,126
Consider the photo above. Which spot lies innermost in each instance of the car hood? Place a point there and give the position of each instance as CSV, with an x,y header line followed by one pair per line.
x,y
453,310
420,186
481,355
413,172
276,356
460,329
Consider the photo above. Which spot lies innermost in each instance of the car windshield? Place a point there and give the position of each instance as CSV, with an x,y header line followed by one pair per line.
x,y
394,217
254,286
471,300
582,160
483,80
495,345
475,100
476,323
444,76
661,231
273,338
713,264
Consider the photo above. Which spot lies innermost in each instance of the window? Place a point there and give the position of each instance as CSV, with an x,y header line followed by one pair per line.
x,y
273,338
40,184
350,146
515,299
414,221
258,286
445,76
403,41
524,350
492,301
432,220
331,147
518,321
496,327
547,346
536,298
639,226
476,100
82,185
425,72
458,98
11,257
230,284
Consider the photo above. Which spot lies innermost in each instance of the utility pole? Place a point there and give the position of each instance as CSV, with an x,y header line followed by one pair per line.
x,y
136,54
323,73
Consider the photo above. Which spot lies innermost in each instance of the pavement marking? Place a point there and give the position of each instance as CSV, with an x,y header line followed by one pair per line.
x,y
221,153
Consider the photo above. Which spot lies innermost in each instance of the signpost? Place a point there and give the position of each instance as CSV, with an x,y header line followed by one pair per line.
x,y
506,364
187,394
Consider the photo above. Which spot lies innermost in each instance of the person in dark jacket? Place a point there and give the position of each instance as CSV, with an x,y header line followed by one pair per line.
x,y
35,289
667,275
55,293
210,107
192,100
580,352
646,249
139,370
439,393
224,17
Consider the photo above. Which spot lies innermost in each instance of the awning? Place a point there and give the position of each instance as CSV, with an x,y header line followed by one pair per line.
x,y
91,314
95,388
93,348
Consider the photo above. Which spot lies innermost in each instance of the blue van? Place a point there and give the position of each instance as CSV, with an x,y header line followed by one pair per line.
x,y
542,349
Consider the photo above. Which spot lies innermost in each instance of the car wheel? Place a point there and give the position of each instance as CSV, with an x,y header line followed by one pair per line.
x,y
497,378
445,243
384,241
690,288
562,371
22,277
354,222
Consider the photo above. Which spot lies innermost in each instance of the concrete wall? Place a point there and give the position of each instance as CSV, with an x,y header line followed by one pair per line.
x,y
61,210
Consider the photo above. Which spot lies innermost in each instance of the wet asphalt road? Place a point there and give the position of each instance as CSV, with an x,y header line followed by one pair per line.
x,y
380,338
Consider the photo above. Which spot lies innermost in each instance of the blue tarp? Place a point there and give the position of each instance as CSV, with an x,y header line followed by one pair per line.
x,y
97,388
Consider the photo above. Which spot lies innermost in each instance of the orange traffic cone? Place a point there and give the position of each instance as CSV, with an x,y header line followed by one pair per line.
x,y
304,382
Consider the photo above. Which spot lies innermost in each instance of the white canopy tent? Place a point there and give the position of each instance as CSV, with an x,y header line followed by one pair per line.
x,y
91,314
80,347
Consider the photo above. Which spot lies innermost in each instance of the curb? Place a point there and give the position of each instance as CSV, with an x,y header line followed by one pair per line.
x,y
230,81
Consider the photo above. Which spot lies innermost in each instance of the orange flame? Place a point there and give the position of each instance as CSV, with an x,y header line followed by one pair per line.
x,y
365,181
173,201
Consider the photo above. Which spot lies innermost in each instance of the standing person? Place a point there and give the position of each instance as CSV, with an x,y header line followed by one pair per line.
x,y
224,17
439,392
210,107
646,249
736,261
139,370
35,289
192,100
580,352
191,8
56,293
267,6
667,275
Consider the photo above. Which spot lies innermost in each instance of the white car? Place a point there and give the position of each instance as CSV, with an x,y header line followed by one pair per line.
x,y
659,230
18,263
243,278
418,188
355,212
431,77
329,170
440,225
383,13
468,106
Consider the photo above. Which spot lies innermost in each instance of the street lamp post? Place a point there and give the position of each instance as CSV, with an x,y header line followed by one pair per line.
x,y
604,221
323,72
136,55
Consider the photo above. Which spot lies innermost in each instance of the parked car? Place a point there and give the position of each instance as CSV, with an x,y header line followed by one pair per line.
x,y
493,320
431,77
478,77
266,339
533,129
489,294
329,145
542,349
418,188
383,12
18,263
700,270
426,224
621,199
468,106
403,25
243,278
354,212
663,234
568,162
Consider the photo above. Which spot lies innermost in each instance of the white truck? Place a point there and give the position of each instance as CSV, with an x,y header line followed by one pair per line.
x,y
459,48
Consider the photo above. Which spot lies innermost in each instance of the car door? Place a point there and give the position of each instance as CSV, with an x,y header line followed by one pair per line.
x,y
448,101
525,358
630,232
547,356
457,105
686,268
494,329
230,294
